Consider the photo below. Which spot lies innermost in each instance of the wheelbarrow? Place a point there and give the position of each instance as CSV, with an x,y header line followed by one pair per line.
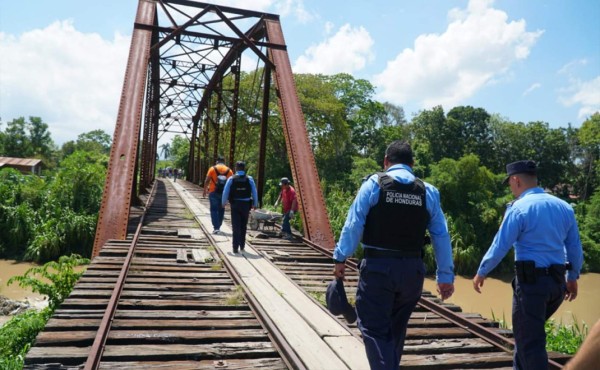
x,y
261,218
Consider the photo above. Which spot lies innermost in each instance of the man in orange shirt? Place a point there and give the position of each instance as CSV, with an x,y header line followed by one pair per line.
x,y
214,184
289,205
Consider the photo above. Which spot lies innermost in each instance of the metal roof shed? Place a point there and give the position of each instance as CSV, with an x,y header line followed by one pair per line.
x,y
24,165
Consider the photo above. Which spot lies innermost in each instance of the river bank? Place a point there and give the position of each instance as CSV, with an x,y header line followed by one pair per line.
x,y
13,298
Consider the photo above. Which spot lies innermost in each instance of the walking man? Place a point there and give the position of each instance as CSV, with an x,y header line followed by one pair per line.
x,y
240,191
289,205
391,212
543,231
214,184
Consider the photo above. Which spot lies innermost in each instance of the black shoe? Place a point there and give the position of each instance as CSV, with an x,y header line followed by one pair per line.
x,y
235,250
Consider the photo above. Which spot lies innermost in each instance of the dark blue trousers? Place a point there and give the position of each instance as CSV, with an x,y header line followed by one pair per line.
x,y
217,212
388,291
240,210
533,304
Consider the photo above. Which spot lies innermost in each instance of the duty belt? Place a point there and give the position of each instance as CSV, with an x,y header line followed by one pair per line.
x,y
389,253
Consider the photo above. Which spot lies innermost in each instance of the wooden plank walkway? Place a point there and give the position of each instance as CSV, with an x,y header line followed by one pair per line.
x,y
321,341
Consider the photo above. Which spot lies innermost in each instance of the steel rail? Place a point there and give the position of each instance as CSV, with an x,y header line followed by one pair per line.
x,y
288,354
95,355
480,331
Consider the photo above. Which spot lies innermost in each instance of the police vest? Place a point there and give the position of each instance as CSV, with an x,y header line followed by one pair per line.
x,y
399,219
240,188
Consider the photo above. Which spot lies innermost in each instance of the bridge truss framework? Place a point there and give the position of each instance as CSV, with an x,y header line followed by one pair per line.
x,y
181,53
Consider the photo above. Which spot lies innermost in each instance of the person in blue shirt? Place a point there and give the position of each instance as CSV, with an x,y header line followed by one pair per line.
x,y
543,230
390,216
240,191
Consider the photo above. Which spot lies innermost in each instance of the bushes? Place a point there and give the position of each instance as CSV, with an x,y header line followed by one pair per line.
x,y
54,279
44,218
565,338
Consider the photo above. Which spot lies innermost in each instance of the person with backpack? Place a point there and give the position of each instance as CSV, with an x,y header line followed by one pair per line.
x,y
240,192
214,184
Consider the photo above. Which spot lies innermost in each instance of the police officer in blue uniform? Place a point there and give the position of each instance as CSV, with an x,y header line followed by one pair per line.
x,y
543,230
240,191
390,215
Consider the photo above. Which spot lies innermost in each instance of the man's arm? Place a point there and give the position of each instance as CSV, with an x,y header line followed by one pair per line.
x,y
355,221
207,181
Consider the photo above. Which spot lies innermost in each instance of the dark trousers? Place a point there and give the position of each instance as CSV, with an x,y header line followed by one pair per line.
x,y
240,210
388,291
285,223
217,212
533,304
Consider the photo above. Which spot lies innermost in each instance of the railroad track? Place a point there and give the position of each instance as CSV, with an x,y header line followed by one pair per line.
x,y
184,306
439,335
179,307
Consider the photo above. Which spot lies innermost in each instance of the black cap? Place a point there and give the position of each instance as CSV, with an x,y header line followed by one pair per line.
x,y
514,168
240,165
284,181
337,302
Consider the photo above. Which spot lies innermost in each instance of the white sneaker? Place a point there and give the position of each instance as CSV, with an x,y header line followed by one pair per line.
x,y
216,231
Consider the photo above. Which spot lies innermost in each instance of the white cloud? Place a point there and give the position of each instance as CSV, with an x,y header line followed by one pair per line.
x,y
567,68
70,79
478,46
531,88
586,94
349,50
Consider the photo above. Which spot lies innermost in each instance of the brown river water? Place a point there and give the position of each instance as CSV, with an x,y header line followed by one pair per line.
x,y
494,300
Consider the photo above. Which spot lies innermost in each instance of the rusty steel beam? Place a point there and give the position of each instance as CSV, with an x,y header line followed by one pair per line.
x,y
304,170
118,188
234,110
264,124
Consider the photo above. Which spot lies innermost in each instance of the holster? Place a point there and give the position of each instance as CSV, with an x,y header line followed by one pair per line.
x,y
525,271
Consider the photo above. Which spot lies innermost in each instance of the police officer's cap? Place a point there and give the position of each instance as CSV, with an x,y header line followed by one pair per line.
x,y
284,181
337,302
517,167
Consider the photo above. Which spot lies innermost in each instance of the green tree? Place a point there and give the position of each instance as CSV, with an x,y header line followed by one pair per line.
x,y
473,199
442,136
93,141
329,133
180,151
16,141
361,112
473,136
42,145
589,143
165,150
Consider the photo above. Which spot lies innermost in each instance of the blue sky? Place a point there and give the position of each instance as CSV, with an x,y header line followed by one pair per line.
x,y
527,60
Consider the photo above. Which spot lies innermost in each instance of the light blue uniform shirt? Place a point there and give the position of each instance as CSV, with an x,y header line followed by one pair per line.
x,y
542,229
225,197
368,196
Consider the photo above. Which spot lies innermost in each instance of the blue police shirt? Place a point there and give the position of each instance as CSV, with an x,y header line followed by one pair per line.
x,y
225,196
542,228
368,196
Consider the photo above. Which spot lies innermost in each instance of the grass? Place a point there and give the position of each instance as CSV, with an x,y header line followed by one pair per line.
x,y
565,338
55,280
236,297
17,336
